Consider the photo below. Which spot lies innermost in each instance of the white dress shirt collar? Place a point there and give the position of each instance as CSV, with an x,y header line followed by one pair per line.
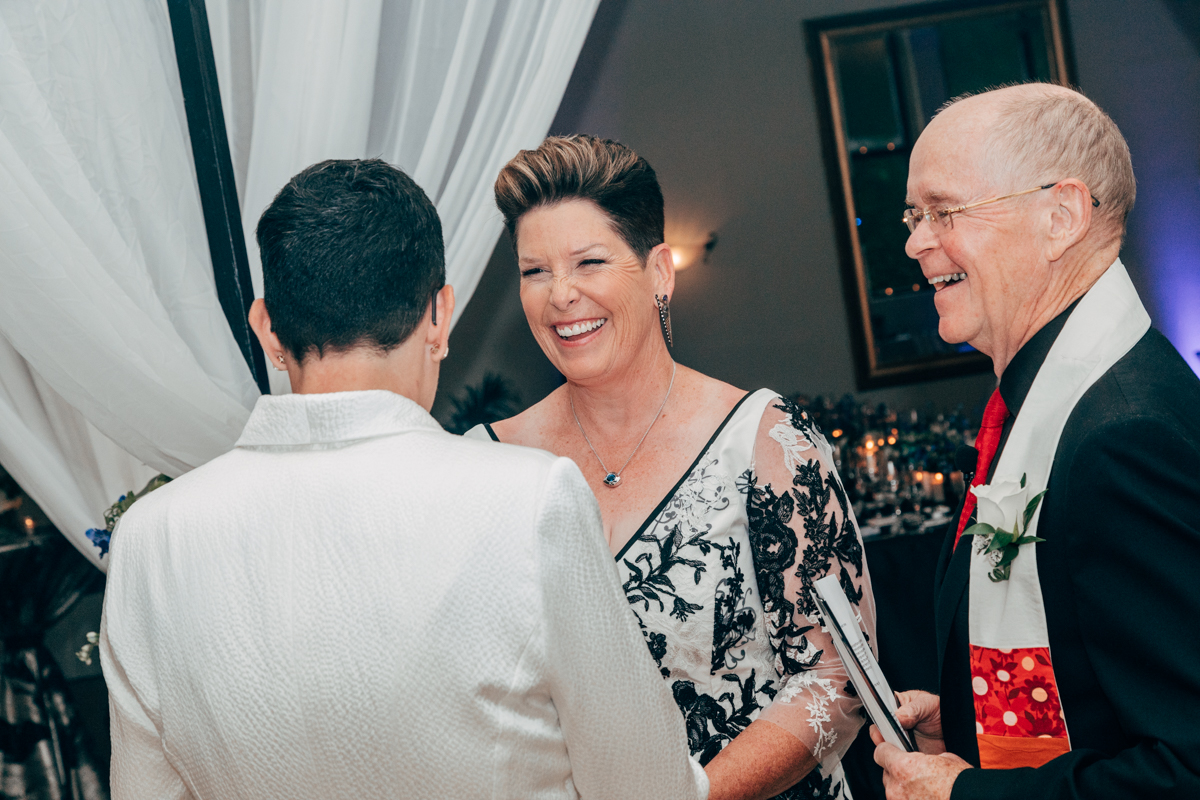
x,y
323,421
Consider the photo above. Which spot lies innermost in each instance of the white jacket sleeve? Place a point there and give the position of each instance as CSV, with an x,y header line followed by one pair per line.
x,y
625,735
139,767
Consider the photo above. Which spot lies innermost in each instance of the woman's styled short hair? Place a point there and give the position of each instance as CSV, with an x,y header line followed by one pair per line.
x,y
619,181
352,254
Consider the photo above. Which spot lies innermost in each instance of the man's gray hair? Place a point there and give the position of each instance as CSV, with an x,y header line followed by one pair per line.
x,y
1058,133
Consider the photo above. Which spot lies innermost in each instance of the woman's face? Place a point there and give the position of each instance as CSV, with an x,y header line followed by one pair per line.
x,y
588,298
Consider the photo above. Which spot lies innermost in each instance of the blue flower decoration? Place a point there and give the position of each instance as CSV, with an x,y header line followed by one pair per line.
x,y
99,537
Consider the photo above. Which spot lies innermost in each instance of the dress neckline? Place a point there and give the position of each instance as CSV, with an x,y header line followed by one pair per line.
x,y
691,468
667,497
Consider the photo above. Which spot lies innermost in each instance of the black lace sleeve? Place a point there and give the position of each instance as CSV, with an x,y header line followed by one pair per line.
x,y
802,529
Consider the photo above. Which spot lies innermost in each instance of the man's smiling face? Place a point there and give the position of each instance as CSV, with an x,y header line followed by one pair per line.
x,y
986,264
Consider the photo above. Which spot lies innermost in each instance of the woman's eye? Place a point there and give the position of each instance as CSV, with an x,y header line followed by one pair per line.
x,y
529,273
589,261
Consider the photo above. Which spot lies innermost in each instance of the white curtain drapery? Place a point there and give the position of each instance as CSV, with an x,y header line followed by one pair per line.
x,y
116,361
111,328
448,90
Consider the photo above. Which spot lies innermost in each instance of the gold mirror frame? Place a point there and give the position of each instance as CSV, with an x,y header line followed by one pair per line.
x,y
822,36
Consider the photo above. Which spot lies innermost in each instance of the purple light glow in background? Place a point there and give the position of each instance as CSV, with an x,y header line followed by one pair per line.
x,y
1176,274
1164,228
1141,63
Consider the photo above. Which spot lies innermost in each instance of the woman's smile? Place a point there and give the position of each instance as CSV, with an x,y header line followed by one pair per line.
x,y
579,332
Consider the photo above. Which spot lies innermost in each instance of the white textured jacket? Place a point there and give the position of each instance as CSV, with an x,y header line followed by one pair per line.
x,y
354,603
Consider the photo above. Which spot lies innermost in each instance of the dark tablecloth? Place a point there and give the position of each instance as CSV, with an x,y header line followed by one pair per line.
x,y
902,570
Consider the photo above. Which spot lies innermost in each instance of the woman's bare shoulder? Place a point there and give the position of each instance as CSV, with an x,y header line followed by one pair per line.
x,y
710,393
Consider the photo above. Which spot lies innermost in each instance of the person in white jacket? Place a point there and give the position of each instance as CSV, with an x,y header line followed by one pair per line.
x,y
353,603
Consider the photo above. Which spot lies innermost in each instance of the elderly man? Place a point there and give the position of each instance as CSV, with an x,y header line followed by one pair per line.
x,y
1070,664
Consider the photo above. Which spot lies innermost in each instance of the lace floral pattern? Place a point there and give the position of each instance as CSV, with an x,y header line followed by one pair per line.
x,y
719,579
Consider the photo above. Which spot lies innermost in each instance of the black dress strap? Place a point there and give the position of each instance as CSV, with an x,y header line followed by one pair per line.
x,y
667,498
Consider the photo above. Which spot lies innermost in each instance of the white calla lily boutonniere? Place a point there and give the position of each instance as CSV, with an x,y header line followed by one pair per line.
x,y
1004,501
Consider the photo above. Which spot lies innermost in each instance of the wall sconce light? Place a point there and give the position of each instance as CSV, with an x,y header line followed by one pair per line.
x,y
685,255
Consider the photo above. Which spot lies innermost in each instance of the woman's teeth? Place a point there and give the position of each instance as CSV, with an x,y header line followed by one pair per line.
x,y
953,277
567,331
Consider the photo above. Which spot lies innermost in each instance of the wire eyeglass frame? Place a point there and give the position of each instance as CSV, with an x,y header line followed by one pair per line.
x,y
945,216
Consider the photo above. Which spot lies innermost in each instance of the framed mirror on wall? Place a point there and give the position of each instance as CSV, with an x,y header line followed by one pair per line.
x,y
879,79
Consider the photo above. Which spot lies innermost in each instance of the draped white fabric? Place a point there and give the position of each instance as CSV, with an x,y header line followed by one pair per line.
x,y
447,90
110,326
114,352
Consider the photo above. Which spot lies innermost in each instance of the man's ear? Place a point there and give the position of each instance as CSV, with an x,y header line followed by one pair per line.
x,y
663,263
260,323
439,334
1070,216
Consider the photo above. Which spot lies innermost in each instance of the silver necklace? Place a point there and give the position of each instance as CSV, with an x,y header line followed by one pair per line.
x,y
613,479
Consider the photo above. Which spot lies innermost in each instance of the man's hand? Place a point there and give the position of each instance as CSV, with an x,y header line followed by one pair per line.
x,y
929,774
917,776
921,713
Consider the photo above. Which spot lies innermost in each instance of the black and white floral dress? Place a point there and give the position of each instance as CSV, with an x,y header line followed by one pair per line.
x,y
719,577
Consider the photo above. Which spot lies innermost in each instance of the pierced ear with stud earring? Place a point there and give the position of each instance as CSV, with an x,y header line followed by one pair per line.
x,y
664,317
282,366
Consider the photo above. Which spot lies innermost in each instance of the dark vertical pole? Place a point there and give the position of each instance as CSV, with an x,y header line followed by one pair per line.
x,y
214,173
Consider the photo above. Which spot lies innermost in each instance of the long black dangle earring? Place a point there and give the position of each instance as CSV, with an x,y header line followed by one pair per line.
x,y
664,318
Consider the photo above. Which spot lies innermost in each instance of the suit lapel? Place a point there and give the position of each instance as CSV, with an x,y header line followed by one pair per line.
x,y
952,592
950,585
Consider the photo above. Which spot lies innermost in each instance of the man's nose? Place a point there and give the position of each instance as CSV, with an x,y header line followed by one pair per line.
x,y
922,239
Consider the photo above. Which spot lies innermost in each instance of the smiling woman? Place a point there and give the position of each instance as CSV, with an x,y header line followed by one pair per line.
x,y
721,506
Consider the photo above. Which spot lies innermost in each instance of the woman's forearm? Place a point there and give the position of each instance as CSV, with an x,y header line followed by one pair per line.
x,y
762,761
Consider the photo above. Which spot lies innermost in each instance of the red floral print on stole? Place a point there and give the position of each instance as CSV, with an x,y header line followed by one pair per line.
x,y
1018,716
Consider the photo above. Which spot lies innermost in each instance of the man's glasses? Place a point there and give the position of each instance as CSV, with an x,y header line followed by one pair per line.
x,y
944,217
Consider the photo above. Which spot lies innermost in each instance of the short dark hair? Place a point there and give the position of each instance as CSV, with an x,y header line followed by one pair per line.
x,y
352,254
607,173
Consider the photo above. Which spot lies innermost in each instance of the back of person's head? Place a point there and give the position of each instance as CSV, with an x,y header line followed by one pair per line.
x,y
1046,132
352,255
581,167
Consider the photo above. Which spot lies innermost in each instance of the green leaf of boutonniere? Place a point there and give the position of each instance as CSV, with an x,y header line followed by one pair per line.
x,y
979,529
1007,556
1001,539
1031,508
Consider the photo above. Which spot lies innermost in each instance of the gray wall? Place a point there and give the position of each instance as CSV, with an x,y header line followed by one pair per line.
x,y
717,95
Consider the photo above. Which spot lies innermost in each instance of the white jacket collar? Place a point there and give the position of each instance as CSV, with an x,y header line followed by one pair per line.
x,y
331,420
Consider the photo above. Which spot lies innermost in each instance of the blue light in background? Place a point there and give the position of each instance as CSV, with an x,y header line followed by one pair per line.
x,y
1178,293
857,221
1173,259
1161,121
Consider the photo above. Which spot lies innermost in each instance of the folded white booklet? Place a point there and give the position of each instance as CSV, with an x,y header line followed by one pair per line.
x,y
877,697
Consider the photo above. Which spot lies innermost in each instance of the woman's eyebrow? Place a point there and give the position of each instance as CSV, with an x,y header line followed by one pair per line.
x,y
576,252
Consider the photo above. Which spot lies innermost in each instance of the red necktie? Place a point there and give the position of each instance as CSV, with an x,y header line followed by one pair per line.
x,y
986,443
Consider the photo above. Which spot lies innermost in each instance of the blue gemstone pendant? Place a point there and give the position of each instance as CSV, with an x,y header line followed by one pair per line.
x,y
612,479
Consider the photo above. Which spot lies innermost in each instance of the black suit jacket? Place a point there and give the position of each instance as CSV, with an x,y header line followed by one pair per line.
x,y
1120,576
